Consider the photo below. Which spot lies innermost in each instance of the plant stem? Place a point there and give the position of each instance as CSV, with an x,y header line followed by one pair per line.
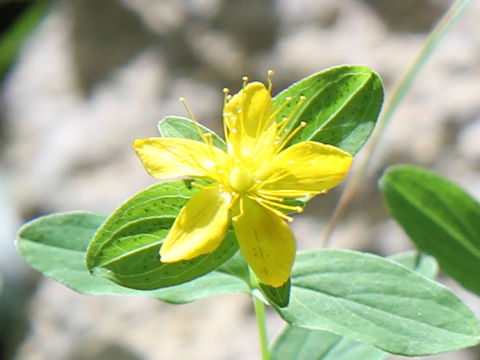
x,y
445,23
262,329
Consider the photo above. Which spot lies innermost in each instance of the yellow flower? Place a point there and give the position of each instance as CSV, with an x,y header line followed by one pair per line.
x,y
250,182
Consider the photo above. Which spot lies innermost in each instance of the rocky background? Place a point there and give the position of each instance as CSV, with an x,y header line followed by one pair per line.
x,y
97,74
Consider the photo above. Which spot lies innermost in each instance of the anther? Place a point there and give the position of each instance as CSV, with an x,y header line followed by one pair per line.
x,y
226,95
245,80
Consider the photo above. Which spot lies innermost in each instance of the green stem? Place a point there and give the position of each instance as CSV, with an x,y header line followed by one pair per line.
x,y
445,23
262,329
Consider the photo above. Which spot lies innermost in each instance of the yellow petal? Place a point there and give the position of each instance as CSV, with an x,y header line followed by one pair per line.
x,y
166,158
250,122
266,242
306,168
251,108
199,228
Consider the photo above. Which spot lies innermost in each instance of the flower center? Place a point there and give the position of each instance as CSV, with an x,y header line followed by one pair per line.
x,y
240,179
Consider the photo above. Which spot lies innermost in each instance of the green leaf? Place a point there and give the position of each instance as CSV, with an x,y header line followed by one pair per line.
x,y
421,263
180,127
126,247
55,245
237,266
279,296
373,300
304,344
341,106
440,218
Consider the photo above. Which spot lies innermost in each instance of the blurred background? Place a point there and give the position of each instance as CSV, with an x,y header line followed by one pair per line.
x,y
91,76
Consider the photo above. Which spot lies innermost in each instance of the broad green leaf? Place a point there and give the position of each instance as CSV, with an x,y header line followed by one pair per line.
x,y
237,266
305,344
180,127
279,296
373,300
440,218
55,245
421,263
126,247
341,106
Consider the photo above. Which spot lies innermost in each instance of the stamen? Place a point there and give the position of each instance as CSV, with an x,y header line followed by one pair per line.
x,y
287,193
269,197
262,131
292,134
282,206
206,138
275,113
286,120
189,111
272,209
245,81
273,178
226,92
270,73
197,128
209,139
242,211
